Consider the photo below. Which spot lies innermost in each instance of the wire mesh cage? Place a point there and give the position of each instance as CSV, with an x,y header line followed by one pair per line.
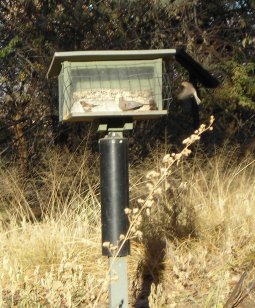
x,y
134,88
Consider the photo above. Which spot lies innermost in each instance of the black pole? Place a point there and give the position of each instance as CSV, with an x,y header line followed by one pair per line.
x,y
114,191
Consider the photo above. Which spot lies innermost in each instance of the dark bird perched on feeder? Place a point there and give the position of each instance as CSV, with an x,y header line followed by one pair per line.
x,y
191,100
188,91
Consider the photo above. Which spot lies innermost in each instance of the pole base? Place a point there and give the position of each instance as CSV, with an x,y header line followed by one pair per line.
x,y
118,285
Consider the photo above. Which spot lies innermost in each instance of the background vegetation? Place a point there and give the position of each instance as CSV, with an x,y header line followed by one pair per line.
x,y
219,35
199,237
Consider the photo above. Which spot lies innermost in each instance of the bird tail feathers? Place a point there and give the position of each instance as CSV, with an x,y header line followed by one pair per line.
x,y
198,100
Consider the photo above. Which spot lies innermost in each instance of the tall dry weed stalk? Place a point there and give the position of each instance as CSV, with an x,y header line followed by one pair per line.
x,y
219,195
54,260
157,183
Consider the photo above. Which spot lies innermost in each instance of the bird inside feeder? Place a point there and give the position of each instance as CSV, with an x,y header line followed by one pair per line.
x,y
126,105
112,100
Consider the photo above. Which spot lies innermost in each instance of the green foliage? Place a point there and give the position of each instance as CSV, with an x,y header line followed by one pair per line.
x,y
5,51
238,87
219,35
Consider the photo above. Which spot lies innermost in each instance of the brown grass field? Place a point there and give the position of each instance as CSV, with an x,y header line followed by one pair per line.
x,y
192,230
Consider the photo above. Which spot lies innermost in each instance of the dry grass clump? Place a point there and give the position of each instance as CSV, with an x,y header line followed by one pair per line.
x,y
200,235
50,263
224,195
191,225
49,235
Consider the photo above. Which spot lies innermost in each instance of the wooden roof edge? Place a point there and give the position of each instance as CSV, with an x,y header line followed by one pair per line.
x,y
100,55
194,68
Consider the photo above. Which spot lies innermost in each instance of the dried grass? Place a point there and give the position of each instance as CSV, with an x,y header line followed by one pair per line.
x,y
206,227
192,248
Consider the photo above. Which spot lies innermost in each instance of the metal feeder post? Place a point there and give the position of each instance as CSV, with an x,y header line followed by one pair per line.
x,y
114,199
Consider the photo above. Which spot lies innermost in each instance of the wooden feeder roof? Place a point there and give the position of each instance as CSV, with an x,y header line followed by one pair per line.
x,y
194,68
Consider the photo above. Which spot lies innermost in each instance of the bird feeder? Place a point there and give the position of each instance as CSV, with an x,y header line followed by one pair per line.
x,y
107,84
117,87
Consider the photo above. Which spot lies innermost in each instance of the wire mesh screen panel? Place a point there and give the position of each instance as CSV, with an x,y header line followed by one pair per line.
x,y
61,95
113,88
167,79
